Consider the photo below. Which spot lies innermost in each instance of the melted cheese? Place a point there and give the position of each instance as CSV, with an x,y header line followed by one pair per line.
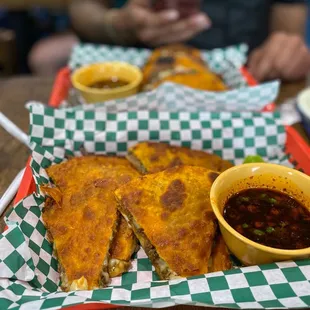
x,y
80,284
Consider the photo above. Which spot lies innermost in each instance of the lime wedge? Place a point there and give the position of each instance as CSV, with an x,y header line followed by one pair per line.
x,y
253,159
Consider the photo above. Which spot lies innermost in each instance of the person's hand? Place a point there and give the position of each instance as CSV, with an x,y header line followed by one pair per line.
x,y
283,56
158,28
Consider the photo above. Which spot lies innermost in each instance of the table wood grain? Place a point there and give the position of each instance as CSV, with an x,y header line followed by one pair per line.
x,y
15,92
290,90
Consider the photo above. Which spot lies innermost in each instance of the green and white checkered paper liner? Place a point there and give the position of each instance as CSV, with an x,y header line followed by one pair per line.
x,y
219,59
226,62
30,279
172,97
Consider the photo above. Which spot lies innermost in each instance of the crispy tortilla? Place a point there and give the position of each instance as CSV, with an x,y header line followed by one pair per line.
x,y
179,64
82,219
220,256
151,157
171,215
65,174
124,245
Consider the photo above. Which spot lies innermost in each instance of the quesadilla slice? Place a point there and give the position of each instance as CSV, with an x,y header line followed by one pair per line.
x,y
220,259
82,219
182,65
171,215
151,157
124,245
76,169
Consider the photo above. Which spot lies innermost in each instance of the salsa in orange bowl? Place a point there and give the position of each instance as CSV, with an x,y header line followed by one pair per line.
x,y
269,217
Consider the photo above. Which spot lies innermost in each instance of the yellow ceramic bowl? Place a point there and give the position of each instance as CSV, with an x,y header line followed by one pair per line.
x,y
260,175
87,75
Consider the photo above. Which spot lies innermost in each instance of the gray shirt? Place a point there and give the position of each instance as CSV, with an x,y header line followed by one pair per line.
x,y
236,21
233,22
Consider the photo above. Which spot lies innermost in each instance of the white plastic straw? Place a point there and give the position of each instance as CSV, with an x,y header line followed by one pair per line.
x,y
9,194
16,132
11,128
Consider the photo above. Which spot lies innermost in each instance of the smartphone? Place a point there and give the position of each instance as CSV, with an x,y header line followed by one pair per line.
x,y
186,8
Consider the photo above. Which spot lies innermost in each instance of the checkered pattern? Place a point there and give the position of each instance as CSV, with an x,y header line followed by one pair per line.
x,y
27,214
282,285
30,279
289,112
84,54
225,62
172,97
231,135
15,258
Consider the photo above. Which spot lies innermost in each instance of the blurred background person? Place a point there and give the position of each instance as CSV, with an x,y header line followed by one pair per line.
x,y
41,35
53,47
274,30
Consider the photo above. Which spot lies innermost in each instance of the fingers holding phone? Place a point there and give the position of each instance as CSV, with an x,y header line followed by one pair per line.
x,y
159,22
175,32
185,8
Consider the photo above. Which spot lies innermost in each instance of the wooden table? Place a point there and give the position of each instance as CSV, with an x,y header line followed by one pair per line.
x,y
290,90
15,92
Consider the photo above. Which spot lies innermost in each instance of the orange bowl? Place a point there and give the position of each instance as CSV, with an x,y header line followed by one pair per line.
x,y
87,75
258,175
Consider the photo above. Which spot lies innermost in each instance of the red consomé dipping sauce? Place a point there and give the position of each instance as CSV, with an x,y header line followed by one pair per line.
x,y
270,218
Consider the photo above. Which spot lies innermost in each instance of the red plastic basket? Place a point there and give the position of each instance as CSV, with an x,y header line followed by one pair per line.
x,y
296,149
63,84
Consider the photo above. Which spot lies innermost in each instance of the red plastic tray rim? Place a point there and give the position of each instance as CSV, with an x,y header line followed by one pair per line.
x,y
60,93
